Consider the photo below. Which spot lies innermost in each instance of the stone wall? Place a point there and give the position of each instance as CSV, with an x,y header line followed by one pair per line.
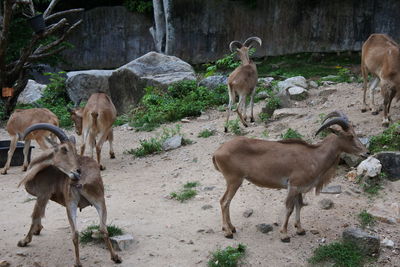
x,y
112,36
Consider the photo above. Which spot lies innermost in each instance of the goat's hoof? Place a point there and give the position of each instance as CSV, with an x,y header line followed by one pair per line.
x,y
225,129
102,168
116,259
22,243
363,110
112,156
24,168
77,265
385,124
37,231
230,235
252,120
233,229
375,112
245,125
302,232
4,172
285,239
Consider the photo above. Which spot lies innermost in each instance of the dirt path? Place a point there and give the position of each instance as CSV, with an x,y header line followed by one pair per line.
x,y
170,233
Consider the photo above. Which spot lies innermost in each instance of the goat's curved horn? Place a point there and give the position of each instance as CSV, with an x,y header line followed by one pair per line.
x,y
250,42
335,113
49,127
235,45
342,122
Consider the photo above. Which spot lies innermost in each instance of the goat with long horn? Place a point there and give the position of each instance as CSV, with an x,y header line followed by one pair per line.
x,y
61,175
292,164
243,80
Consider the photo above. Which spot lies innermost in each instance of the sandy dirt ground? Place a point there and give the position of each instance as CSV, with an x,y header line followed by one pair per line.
x,y
170,233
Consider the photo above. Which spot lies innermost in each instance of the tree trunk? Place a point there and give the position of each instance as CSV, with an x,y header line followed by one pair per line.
x,y
158,31
170,31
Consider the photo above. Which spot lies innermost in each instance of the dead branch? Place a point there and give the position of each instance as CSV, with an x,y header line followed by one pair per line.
x,y
63,13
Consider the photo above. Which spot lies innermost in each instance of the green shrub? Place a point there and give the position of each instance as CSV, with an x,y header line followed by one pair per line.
x,y
234,127
121,120
206,133
228,257
389,140
86,235
366,219
290,134
140,6
340,253
183,99
186,193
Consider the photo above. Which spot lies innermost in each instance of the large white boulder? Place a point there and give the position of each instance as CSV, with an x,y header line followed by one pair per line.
x,y
370,167
33,92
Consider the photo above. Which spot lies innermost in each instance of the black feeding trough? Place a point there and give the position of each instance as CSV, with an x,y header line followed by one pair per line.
x,y
18,157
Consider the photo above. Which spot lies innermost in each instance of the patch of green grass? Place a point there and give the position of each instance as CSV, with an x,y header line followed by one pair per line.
x,y
182,99
366,219
234,127
121,120
186,193
388,140
228,257
340,253
371,185
86,235
206,133
290,134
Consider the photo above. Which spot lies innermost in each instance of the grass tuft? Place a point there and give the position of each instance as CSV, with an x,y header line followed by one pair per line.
x,y
366,219
206,133
186,193
290,134
234,127
389,140
228,257
340,253
86,235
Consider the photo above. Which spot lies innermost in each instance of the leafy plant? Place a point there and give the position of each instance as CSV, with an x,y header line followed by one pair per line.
x,y
140,6
234,127
371,185
86,235
366,219
389,140
290,133
340,253
228,257
227,63
186,193
206,133
121,120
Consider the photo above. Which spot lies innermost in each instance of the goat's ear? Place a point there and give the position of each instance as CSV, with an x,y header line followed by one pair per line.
x,y
335,130
72,139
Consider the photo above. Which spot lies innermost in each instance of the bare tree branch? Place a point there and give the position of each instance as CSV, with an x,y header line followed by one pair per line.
x,y
40,56
50,8
63,13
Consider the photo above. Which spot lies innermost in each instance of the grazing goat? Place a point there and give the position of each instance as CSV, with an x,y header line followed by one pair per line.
x,y
243,80
292,164
72,181
96,118
380,56
16,125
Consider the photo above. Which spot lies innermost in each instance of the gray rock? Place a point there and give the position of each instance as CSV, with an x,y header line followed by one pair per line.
x,y
213,82
312,84
370,167
387,243
333,189
209,188
365,141
325,204
327,92
291,82
127,83
207,207
262,95
172,143
81,84
314,232
390,164
247,213
284,99
264,228
33,92
288,112
122,242
265,82
368,244
350,159
330,77
297,93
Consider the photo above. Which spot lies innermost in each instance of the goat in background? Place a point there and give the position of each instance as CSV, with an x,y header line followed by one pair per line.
x,y
96,118
60,175
292,164
20,120
243,80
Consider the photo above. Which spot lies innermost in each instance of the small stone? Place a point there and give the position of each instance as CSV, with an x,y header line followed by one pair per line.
x,y
210,231
122,242
387,243
185,120
21,253
314,232
208,188
333,189
172,143
264,228
370,167
351,176
248,213
327,92
312,84
201,230
325,204
368,244
4,263
297,93
321,240
190,242
206,207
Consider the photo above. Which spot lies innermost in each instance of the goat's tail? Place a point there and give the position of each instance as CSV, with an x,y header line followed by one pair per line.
x,y
94,117
215,163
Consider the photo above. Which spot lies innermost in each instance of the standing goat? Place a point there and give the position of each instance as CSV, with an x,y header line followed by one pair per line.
x,y
96,118
72,181
16,125
243,80
292,164
381,56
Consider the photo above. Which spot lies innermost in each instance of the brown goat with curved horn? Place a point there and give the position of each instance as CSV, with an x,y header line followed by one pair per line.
x,y
61,175
243,80
292,164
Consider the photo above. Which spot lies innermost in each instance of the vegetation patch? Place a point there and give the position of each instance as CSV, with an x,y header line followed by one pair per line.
x,y
86,236
183,99
291,134
366,219
371,185
206,133
186,193
234,127
228,257
388,140
342,254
